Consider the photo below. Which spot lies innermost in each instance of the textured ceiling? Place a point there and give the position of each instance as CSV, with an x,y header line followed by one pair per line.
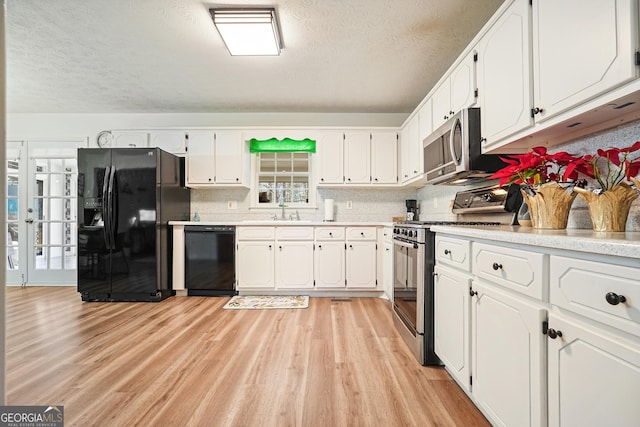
x,y
147,56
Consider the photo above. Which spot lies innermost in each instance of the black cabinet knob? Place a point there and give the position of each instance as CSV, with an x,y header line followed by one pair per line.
x,y
553,334
535,111
615,299
497,266
447,252
472,292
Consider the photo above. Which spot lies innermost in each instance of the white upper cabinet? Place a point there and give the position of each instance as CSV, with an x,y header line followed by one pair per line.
x,y
455,92
229,158
504,75
425,122
130,139
384,158
330,158
357,155
411,149
215,158
581,49
170,141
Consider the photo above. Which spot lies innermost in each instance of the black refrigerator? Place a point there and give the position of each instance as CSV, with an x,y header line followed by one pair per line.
x,y
126,196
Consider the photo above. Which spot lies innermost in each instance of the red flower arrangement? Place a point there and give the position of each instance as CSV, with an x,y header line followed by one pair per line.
x,y
537,167
608,167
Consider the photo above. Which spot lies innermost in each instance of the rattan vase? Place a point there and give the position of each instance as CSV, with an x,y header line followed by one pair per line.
x,y
609,210
549,207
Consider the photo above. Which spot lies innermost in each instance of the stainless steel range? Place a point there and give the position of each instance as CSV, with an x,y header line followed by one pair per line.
x,y
414,261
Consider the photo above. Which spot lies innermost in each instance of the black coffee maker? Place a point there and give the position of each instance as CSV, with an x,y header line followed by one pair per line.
x,y
412,210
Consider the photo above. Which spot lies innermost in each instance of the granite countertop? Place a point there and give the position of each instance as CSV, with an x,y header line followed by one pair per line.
x,y
625,244
273,223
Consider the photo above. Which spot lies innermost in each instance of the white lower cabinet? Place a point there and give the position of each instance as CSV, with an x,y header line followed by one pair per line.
x,y
452,315
555,335
508,353
594,375
294,265
362,257
307,258
256,263
361,265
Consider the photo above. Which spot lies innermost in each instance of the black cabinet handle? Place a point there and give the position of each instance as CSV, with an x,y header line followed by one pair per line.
x,y
330,234
615,299
319,246
497,266
447,252
362,234
553,334
535,111
269,247
472,292
351,246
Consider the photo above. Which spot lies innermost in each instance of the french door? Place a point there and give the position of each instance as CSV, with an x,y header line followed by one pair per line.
x,y
41,212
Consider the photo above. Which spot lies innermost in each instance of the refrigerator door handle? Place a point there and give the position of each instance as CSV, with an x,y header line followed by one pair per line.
x,y
112,209
105,208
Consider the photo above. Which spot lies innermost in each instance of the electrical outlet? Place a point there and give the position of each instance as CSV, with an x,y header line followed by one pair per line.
x,y
349,205
232,204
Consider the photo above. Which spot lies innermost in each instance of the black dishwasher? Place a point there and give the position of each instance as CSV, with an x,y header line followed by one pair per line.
x,y
210,268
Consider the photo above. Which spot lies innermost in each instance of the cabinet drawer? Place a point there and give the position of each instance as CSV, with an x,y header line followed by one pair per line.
x,y
454,252
361,233
595,290
330,233
294,233
515,269
256,233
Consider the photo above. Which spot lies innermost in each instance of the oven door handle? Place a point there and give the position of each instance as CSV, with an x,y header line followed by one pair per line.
x,y
404,244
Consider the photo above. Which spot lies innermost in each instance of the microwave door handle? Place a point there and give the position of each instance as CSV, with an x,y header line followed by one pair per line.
x,y
452,147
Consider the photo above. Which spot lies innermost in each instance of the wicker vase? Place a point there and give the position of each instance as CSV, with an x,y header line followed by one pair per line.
x,y
609,210
549,207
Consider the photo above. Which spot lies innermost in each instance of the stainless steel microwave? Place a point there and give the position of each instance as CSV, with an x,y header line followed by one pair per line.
x,y
452,153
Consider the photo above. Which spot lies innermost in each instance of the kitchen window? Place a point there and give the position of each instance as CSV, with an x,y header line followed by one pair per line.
x,y
283,178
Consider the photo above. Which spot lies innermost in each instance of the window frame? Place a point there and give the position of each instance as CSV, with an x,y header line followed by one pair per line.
x,y
255,186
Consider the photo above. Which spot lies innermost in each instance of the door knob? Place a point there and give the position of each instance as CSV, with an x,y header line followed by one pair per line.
x,y
29,220
615,299
553,334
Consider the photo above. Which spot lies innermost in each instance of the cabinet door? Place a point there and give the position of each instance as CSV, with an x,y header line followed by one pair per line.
x,y
508,351
384,158
228,156
329,266
170,141
504,76
387,270
405,153
441,100
452,314
361,264
594,376
425,122
411,149
463,84
200,158
581,50
330,158
294,265
130,139
255,265
357,157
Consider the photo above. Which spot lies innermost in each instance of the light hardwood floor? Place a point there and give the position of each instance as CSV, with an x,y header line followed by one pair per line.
x,y
187,362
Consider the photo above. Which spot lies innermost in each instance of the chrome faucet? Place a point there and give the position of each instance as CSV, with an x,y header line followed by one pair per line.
x,y
295,217
282,216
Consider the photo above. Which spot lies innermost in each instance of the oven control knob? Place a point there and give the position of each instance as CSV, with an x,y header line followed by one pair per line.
x,y
410,233
405,232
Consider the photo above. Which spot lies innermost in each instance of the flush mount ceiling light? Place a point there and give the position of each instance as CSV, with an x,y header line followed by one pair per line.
x,y
248,31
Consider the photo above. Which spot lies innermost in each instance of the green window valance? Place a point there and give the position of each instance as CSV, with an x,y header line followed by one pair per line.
x,y
275,145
